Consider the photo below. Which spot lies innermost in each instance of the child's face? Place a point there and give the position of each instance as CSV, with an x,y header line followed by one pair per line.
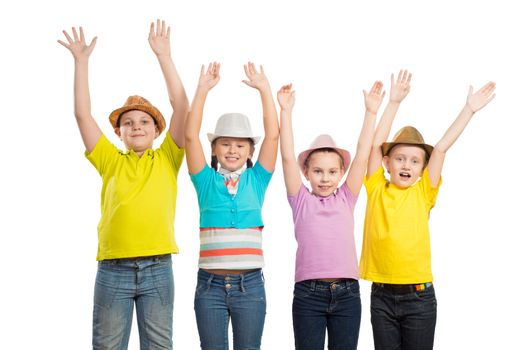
x,y
324,172
405,164
137,130
232,152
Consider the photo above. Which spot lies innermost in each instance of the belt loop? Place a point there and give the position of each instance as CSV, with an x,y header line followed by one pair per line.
x,y
348,284
242,283
209,280
313,284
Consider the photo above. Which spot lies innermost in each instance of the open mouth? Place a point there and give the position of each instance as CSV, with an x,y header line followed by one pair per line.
x,y
404,175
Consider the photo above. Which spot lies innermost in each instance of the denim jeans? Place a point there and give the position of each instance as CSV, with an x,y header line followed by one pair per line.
x,y
404,321
122,283
239,297
320,305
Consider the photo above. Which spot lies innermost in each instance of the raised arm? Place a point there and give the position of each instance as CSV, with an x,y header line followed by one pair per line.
x,y
268,151
399,90
357,170
474,102
292,179
194,152
87,125
159,40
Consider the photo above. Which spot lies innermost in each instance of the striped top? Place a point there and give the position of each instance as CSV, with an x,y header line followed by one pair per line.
x,y
231,224
230,248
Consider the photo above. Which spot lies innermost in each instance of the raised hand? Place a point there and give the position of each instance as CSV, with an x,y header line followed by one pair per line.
x,y
482,97
77,45
400,87
159,38
374,97
209,79
257,80
286,97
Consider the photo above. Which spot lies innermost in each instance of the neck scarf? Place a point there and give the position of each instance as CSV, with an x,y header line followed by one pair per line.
x,y
231,179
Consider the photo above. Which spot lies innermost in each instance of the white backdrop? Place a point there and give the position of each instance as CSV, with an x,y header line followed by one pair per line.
x,y
330,51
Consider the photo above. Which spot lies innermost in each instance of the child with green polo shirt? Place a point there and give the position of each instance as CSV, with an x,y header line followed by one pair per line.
x,y
135,233
396,246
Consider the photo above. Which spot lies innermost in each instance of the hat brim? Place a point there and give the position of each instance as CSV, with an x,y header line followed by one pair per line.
x,y
151,110
212,137
346,157
387,146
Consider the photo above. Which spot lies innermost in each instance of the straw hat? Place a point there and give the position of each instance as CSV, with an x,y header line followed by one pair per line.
x,y
408,135
138,103
324,141
233,125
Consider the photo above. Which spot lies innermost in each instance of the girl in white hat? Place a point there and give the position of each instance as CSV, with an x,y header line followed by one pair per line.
x,y
230,196
326,294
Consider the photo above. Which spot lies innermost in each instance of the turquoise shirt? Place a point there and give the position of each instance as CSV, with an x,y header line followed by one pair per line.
x,y
218,208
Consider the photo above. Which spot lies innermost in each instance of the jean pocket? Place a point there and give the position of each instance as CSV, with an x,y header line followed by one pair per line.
x,y
106,287
354,289
302,290
201,289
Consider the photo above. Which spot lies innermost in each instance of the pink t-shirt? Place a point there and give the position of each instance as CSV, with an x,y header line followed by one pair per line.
x,y
324,232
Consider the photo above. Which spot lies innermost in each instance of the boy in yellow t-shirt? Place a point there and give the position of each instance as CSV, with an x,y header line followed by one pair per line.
x,y
396,247
135,233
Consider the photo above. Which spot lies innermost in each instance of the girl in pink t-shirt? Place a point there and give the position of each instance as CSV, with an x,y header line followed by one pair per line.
x,y
326,291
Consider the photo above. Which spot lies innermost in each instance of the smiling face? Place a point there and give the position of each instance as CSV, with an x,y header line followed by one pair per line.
x,y
405,164
232,152
137,130
324,171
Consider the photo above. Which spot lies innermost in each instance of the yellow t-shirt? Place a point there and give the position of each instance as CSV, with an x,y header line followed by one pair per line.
x,y
138,199
396,245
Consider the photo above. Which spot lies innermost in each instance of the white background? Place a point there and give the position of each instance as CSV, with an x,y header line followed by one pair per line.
x,y
330,51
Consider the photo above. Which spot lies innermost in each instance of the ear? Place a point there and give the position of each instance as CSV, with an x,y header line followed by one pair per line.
x,y
304,172
157,132
386,161
117,131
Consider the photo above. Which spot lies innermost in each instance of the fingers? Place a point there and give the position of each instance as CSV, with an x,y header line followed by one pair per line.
x,y
67,37
488,88
75,35
82,38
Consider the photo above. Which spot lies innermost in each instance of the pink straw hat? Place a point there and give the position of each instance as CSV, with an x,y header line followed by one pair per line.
x,y
324,141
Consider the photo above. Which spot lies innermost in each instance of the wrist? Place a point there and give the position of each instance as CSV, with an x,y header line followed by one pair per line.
x,y
395,102
469,109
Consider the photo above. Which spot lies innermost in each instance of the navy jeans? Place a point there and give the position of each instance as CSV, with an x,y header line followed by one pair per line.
x,y
320,305
404,321
239,297
122,283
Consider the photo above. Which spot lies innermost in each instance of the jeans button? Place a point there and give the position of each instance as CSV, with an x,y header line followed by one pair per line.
x,y
228,285
334,286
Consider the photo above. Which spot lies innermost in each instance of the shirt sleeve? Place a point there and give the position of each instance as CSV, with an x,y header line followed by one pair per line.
x,y
430,192
376,179
297,200
202,182
174,153
103,155
350,197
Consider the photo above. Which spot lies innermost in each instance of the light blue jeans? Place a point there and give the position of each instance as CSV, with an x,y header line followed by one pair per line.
x,y
122,283
239,297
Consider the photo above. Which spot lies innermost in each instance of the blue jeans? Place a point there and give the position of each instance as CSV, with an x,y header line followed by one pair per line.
x,y
122,283
242,298
318,305
403,320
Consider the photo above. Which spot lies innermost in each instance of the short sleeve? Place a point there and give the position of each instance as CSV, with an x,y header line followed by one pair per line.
x,y
430,192
376,179
103,155
202,182
350,197
263,176
174,153
297,198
